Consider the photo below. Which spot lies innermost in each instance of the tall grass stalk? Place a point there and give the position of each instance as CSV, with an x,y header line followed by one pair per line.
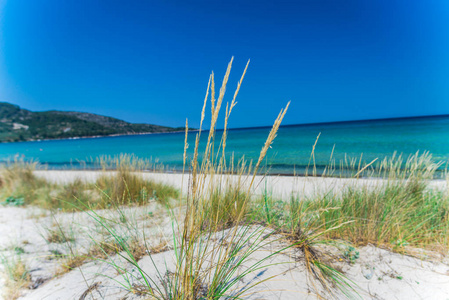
x,y
207,267
215,237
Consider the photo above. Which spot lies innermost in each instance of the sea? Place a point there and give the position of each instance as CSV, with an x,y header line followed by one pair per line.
x,y
338,144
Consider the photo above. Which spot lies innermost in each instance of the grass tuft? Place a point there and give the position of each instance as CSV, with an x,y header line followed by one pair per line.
x,y
17,276
125,186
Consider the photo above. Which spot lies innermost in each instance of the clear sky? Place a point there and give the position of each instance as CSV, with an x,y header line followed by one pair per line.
x,y
149,61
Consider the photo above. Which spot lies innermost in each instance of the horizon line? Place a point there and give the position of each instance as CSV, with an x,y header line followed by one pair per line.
x,y
251,127
342,122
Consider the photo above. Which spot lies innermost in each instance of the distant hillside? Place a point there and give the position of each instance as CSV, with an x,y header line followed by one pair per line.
x,y
17,124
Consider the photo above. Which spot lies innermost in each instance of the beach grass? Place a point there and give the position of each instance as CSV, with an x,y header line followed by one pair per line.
x,y
396,215
219,224
20,186
397,210
122,186
216,238
17,275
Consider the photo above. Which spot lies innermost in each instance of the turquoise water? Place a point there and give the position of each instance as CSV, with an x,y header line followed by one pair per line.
x,y
289,154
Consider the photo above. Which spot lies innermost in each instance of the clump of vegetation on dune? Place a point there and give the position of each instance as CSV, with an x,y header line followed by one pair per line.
x,y
120,186
126,186
17,275
402,211
20,186
399,211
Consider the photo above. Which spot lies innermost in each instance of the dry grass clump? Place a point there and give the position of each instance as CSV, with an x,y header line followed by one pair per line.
x,y
401,212
18,169
58,236
113,246
17,276
104,249
393,216
71,194
21,187
124,186
225,208
20,184
396,212
70,263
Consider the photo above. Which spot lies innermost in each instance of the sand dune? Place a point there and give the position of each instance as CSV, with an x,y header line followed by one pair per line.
x,y
376,273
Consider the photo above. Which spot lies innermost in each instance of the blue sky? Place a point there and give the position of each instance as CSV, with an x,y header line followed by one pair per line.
x,y
149,61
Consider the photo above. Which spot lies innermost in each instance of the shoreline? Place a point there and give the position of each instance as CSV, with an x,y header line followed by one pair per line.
x,y
96,136
178,171
282,187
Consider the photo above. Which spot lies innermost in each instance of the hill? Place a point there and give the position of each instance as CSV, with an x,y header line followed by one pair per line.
x,y
18,124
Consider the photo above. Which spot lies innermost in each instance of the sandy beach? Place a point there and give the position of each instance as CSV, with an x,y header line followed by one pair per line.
x,y
376,273
282,187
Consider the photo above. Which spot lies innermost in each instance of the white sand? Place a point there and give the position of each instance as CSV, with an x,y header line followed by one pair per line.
x,y
377,273
279,186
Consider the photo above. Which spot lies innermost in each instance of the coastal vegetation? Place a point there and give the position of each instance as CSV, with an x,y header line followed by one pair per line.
x,y
17,275
220,231
20,186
